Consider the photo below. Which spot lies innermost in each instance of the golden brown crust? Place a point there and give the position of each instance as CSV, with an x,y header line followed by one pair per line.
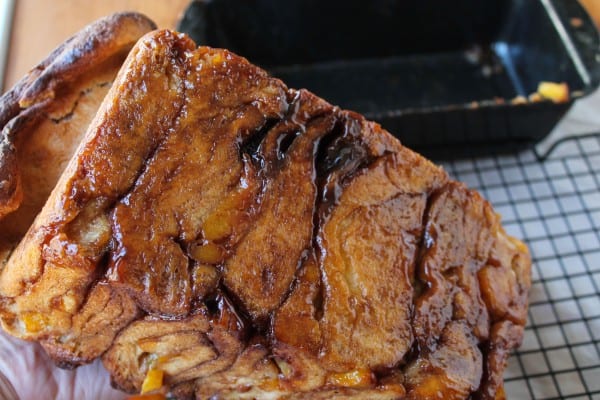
x,y
251,240
45,115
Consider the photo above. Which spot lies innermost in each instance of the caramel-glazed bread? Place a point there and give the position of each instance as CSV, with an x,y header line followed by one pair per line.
x,y
45,115
247,240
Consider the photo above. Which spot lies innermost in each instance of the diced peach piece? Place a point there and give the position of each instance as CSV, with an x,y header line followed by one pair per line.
x,y
216,227
34,322
150,396
356,378
153,380
209,253
557,92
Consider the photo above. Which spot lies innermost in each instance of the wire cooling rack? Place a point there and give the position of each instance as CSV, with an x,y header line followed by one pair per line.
x,y
554,205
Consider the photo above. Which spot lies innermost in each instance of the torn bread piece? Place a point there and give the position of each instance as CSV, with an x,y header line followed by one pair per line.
x,y
248,240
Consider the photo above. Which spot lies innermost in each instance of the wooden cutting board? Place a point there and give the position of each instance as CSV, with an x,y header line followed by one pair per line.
x,y
41,25
593,7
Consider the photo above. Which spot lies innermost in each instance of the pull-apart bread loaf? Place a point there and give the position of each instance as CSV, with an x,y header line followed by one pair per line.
x,y
247,240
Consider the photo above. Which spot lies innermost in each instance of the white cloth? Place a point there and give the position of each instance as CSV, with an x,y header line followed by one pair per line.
x,y
34,376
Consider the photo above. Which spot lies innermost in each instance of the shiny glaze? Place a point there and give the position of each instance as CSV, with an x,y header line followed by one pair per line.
x,y
245,236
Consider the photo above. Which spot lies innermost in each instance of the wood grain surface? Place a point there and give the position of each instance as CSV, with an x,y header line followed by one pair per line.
x,y
593,7
41,25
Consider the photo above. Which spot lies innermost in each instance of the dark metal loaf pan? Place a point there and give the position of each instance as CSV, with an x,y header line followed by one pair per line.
x,y
440,75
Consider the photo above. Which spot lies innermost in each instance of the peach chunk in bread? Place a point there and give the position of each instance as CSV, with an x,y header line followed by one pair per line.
x,y
248,240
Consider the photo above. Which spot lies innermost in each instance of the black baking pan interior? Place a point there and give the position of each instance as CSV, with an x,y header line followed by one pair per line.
x,y
441,75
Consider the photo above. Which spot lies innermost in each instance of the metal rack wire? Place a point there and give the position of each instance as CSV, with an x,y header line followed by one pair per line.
x,y
554,205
